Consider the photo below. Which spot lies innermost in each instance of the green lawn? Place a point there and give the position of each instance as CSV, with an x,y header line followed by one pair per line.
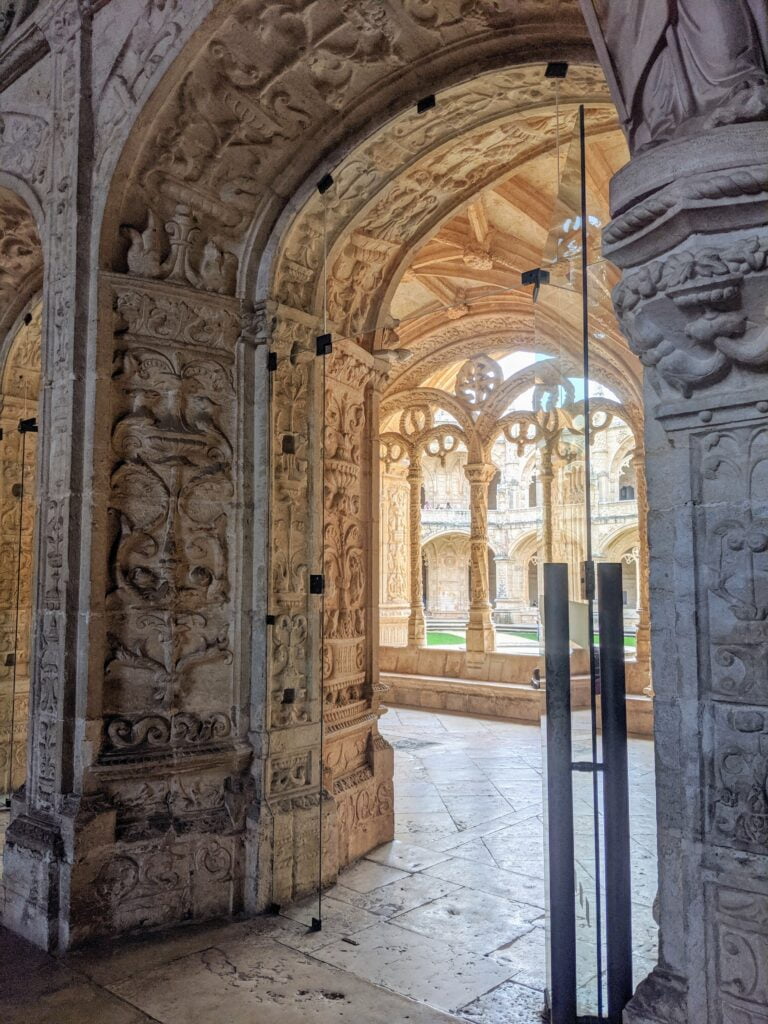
x,y
437,639
443,639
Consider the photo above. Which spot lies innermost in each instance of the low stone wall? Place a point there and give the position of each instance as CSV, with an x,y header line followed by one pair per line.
x,y
495,667
498,687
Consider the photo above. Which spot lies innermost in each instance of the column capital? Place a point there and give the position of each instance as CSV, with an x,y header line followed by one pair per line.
x,y
693,308
480,472
415,470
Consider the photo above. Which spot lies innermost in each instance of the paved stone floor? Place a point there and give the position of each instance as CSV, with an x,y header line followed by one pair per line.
x,y
444,924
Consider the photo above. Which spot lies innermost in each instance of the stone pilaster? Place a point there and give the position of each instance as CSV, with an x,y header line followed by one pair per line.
x,y
693,308
481,636
643,649
417,625
358,763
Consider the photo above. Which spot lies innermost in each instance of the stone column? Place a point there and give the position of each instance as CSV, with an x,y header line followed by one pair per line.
x,y
690,232
417,625
394,556
643,649
481,636
546,476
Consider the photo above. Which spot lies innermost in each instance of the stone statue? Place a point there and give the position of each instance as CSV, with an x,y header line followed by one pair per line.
x,y
677,67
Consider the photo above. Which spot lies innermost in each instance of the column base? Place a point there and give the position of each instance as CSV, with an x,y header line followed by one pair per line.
x,y
660,999
366,808
283,858
32,862
481,635
417,630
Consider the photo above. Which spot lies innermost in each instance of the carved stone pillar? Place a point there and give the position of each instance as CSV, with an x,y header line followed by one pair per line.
x,y
481,636
693,307
643,649
417,625
287,825
394,556
358,763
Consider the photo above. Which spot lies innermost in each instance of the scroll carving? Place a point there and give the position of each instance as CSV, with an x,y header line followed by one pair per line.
x,y
696,315
170,584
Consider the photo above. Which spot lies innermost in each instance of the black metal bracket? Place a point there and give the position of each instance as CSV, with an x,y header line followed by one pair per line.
x,y
272,361
325,183
586,766
556,69
28,426
317,925
323,345
271,619
537,277
316,583
426,103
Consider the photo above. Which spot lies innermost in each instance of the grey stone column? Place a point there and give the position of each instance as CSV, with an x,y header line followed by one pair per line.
x,y
643,650
693,306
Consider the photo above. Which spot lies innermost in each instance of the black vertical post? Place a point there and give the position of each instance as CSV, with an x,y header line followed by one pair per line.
x,y
618,891
562,881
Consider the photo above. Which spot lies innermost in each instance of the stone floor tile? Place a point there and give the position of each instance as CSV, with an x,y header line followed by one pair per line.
x,y
471,920
267,983
407,856
485,828
480,787
367,875
339,919
424,827
398,897
528,957
467,811
425,969
79,1003
109,961
510,1002
476,851
406,804
493,881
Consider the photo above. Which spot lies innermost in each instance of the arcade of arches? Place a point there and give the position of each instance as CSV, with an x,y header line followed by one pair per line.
x,y
193,194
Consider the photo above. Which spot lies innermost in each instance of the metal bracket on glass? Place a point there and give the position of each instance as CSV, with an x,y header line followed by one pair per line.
x,y
537,277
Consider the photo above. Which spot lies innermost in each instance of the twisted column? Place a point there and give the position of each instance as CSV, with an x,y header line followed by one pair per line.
x,y
481,637
546,475
417,624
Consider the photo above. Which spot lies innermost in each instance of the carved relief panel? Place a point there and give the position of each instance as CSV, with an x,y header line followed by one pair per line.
x,y
168,669
732,467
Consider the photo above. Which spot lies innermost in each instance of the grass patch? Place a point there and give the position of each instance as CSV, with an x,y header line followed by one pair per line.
x,y
444,639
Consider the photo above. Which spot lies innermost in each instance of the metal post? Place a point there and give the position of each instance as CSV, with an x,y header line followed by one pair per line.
x,y
562,880
618,891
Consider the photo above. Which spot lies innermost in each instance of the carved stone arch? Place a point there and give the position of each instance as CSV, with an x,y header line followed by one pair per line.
x,y
625,451
523,548
20,373
440,400
617,543
512,92
296,119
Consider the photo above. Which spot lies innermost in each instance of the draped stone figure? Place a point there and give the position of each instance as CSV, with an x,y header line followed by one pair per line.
x,y
681,66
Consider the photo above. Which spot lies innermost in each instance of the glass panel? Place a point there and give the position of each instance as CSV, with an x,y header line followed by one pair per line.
x,y
565,392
